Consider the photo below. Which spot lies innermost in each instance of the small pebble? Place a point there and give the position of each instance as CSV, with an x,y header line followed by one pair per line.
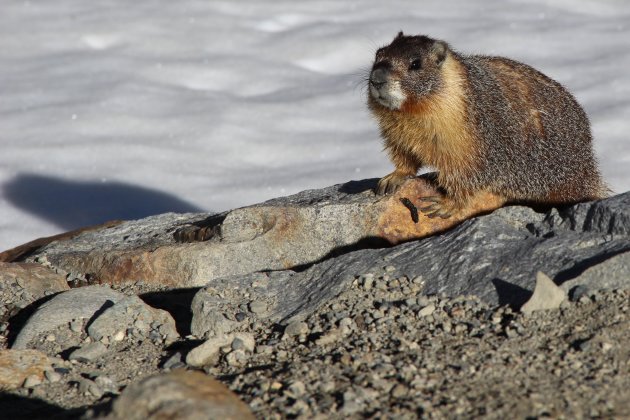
x,y
244,341
32,381
257,307
52,376
399,391
351,404
88,387
296,328
577,292
263,349
76,326
155,336
345,322
460,328
327,386
106,384
511,332
296,389
88,352
418,280
141,325
447,326
394,283
237,358
173,361
427,310
330,337
119,336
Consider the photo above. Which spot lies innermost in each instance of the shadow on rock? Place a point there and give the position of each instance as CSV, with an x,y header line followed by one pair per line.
x,y
176,302
575,271
71,204
357,187
371,242
511,294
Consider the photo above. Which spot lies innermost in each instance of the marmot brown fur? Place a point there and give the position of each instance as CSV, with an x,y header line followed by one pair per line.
x,y
484,123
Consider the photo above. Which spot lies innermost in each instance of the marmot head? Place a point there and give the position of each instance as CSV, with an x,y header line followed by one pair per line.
x,y
406,69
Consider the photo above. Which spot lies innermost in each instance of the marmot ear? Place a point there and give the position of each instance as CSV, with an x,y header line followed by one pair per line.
x,y
400,35
439,49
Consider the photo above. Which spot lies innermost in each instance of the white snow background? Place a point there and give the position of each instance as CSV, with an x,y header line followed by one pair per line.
x,y
116,109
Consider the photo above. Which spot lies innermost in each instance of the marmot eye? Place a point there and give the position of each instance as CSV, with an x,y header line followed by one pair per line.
x,y
415,64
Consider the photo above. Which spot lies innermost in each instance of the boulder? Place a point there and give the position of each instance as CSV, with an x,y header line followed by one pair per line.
x,y
23,283
18,365
132,313
82,303
179,394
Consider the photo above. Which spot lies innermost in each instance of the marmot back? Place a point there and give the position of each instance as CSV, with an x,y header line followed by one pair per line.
x,y
485,123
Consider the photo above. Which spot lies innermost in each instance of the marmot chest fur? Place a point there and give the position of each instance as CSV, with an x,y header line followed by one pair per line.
x,y
484,123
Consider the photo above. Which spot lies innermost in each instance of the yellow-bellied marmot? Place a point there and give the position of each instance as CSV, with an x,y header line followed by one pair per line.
x,y
484,123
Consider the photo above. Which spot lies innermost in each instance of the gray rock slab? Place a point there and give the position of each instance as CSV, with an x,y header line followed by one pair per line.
x,y
494,257
280,234
79,303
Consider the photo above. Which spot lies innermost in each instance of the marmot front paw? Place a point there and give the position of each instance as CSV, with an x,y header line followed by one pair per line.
x,y
440,206
390,183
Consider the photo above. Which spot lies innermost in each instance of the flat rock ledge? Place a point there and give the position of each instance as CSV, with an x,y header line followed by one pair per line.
x,y
280,234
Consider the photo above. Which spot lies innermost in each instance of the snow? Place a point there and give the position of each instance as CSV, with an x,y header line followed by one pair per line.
x,y
117,109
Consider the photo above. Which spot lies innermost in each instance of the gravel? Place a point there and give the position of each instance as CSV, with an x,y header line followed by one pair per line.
x,y
393,353
381,349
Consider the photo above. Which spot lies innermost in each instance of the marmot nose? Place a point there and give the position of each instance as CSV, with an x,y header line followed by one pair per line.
x,y
379,77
